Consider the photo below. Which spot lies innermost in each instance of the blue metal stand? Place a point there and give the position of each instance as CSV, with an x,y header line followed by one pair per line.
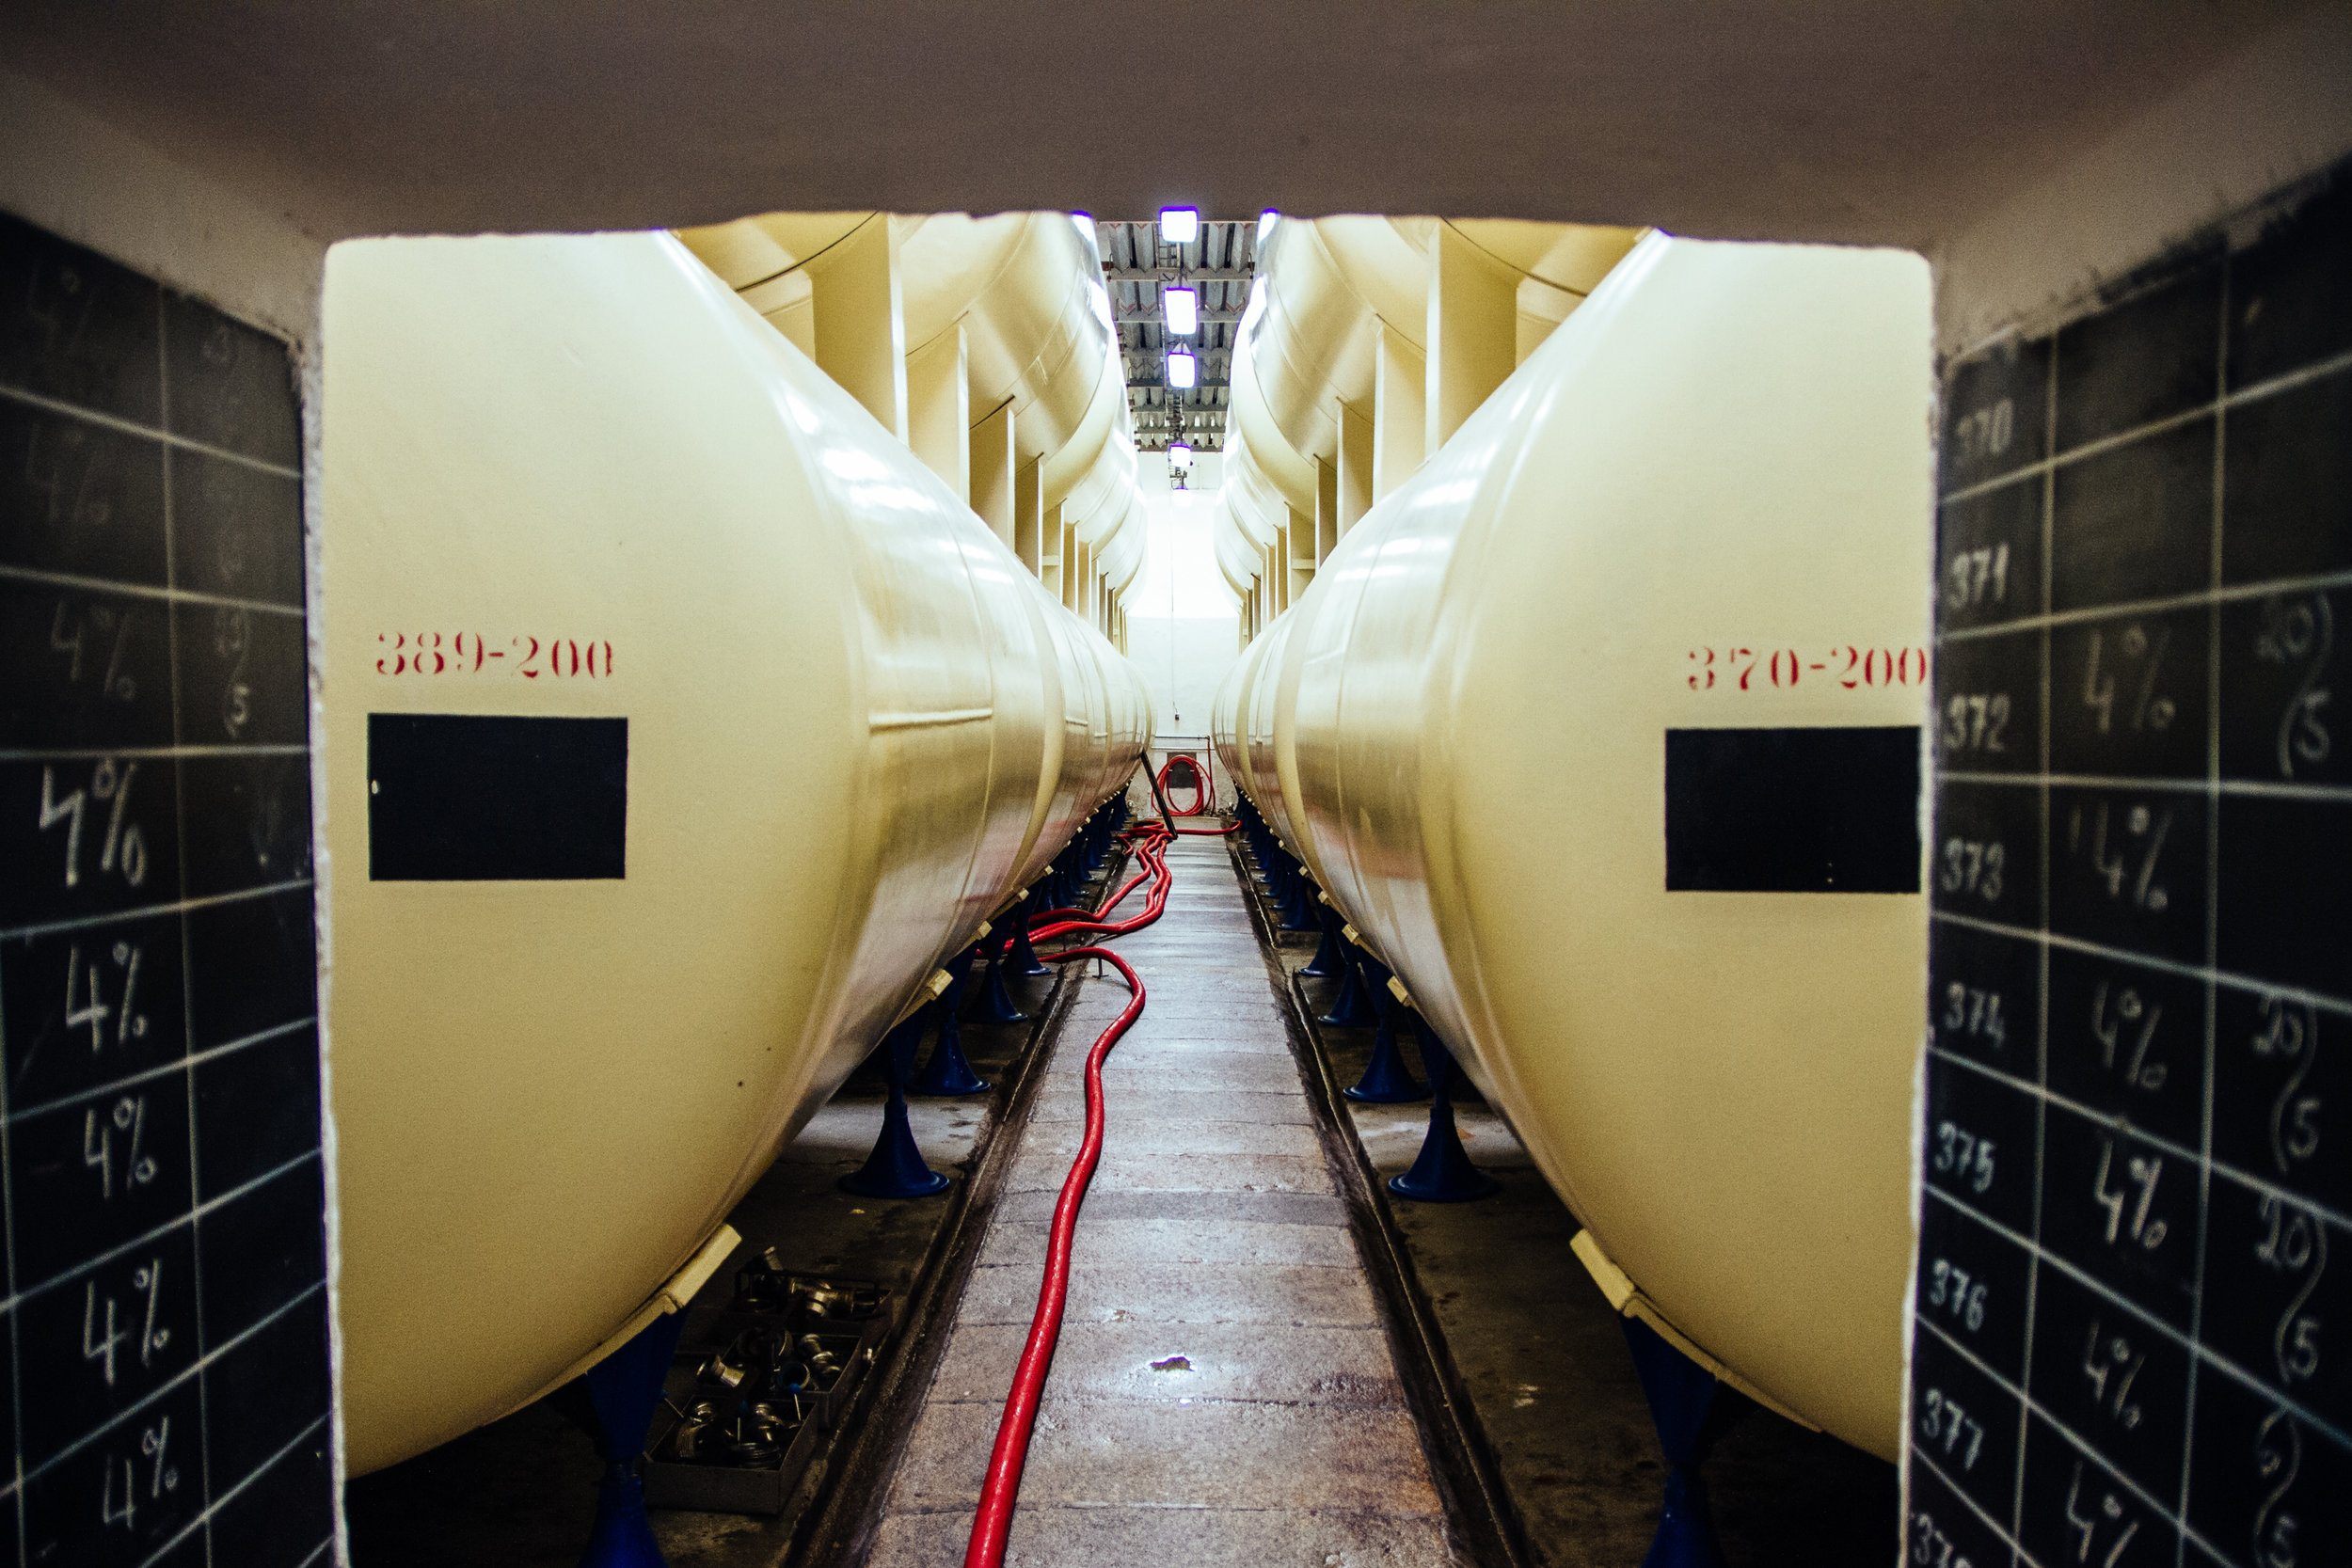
x,y
1024,956
1442,1172
1681,1393
995,1005
1349,1008
948,1073
625,1388
1327,953
1298,904
896,1168
1387,1079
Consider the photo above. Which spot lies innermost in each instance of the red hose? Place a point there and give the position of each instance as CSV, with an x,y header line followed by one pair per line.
x,y
1198,784
1150,841
1001,1491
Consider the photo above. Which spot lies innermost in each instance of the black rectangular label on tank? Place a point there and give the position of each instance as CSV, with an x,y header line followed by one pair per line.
x,y
470,798
1831,810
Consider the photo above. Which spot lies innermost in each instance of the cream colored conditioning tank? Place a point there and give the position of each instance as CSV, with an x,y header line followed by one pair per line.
x,y
677,722
1604,731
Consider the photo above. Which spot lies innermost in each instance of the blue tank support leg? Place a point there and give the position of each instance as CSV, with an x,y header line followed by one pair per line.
x,y
1349,1008
948,1073
625,1388
1276,867
896,1168
1442,1172
1680,1394
1327,954
1298,907
995,1003
1093,839
1023,958
1387,1079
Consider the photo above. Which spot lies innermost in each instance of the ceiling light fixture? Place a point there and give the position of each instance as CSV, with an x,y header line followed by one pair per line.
x,y
1179,455
1184,370
1184,310
1179,225
1266,227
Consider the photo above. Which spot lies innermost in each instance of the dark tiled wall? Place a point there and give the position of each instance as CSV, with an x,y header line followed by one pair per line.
x,y
2133,1329
165,1308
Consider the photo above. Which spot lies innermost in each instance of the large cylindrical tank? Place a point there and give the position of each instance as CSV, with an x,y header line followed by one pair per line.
x,y
1674,568
676,722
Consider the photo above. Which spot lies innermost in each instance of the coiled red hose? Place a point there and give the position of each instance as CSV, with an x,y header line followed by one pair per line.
x,y
1197,784
1002,1488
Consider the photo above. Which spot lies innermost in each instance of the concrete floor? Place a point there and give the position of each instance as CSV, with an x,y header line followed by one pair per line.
x,y
1223,1390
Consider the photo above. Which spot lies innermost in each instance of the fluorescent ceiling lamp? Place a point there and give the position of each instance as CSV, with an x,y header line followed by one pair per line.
x,y
1180,225
1182,370
1179,455
1184,310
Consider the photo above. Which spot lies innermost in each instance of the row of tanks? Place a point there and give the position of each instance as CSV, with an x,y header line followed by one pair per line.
x,y
1602,727
679,721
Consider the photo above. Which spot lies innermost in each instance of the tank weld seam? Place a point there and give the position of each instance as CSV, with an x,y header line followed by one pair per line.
x,y
928,719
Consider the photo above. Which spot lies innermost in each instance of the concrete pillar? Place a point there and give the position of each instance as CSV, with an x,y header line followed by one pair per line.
x,y
1301,555
939,409
1057,546
1355,465
1400,411
860,324
1326,509
993,471
1473,332
1028,516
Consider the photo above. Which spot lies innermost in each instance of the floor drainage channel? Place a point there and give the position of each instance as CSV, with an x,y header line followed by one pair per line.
x,y
1487,1529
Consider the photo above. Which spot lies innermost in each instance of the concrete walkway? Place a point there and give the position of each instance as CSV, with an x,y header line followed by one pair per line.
x,y
1223,1392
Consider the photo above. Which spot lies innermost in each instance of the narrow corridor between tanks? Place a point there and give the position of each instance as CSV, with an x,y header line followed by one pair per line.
x,y
1223,1388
